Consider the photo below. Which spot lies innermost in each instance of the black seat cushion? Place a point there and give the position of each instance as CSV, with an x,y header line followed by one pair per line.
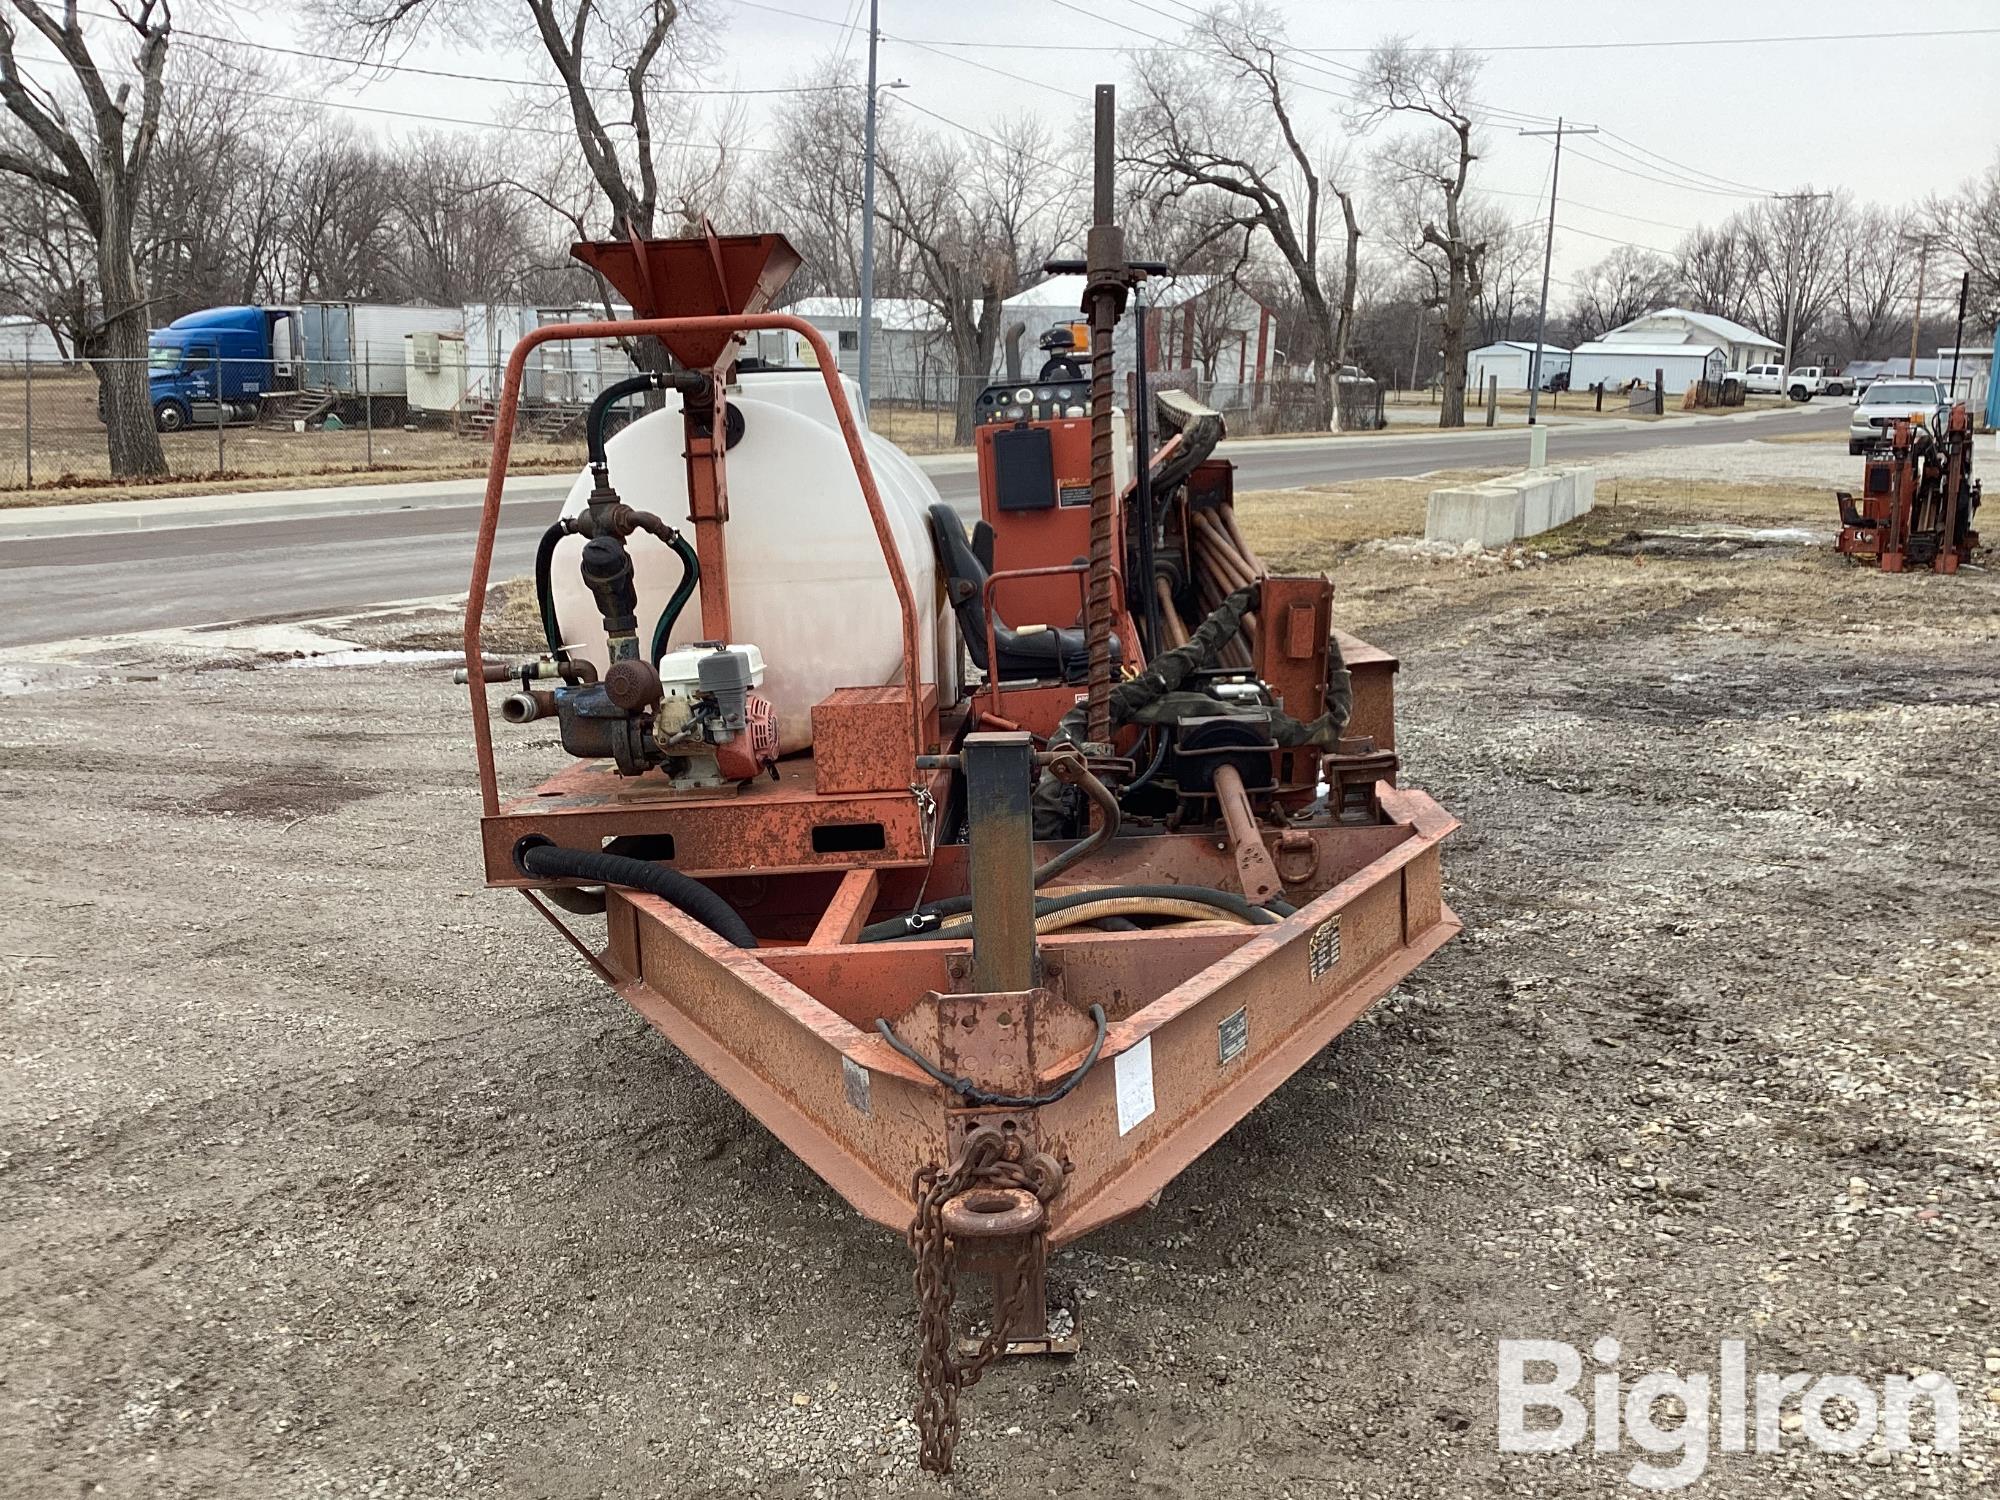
x,y
1061,655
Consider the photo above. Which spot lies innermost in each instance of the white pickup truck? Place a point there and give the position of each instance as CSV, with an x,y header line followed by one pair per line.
x,y
1803,382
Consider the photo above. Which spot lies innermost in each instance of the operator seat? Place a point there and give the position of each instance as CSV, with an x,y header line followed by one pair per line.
x,y
1038,653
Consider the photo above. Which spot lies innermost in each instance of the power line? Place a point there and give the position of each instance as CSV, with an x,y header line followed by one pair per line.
x,y
1706,41
968,62
1694,171
429,118
995,140
459,75
1573,203
1684,186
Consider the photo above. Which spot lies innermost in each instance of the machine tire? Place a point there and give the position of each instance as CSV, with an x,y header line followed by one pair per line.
x,y
171,416
388,411
1854,449
1800,393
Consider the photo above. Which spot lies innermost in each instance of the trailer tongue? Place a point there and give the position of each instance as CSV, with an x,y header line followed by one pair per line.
x,y
997,874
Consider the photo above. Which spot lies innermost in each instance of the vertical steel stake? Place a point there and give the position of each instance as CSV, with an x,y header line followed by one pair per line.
x,y
1001,837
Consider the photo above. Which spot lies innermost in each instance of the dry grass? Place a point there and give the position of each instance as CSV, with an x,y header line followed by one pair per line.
x,y
914,430
1304,530
1313,530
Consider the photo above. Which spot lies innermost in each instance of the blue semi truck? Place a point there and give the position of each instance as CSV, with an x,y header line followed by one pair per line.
x,y
230,364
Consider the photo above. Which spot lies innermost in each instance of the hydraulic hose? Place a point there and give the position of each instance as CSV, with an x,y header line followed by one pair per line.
x,y
545,599
690,580
680,891
926,921
1117,908
618,390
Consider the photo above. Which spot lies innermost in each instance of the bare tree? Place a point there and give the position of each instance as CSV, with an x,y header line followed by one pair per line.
x,y
1626,284
1215,128
975,223
1794,262
49,270
337,239
1712,267
209,209
1970,222
1430,172
98,164
1509,281
810,185
623,131
460,235
1873,280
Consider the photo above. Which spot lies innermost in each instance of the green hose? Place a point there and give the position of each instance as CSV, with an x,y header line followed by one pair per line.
x,y
690,581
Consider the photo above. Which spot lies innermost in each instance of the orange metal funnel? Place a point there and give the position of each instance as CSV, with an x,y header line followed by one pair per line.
x,y
702,276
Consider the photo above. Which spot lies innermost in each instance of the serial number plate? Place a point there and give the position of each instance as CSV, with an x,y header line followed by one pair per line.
x,y
1323,949
1232,1036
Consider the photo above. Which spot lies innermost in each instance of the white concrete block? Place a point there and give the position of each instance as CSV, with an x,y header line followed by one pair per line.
x,y
1505,510
1586,490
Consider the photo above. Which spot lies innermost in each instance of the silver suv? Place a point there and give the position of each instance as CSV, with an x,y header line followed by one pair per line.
x,y
1887,401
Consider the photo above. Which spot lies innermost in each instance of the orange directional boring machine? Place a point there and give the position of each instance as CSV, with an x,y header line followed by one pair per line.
x,y
1918,498
998,871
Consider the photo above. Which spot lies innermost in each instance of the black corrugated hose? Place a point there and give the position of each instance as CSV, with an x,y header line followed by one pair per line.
x,y
679,890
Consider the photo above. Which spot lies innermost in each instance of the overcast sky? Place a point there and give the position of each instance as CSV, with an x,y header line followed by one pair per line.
x,y
1892,120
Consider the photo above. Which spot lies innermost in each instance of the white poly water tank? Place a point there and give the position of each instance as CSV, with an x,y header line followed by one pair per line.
x,y
807,583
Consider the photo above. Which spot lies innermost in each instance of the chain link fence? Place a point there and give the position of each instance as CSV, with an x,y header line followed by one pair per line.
x,y
221,421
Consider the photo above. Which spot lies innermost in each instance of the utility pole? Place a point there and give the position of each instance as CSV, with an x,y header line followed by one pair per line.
x,y
1548,259
1917,313
867,334
1958,338
1791,279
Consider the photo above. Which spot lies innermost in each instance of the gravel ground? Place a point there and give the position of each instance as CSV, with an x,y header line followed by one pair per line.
x,y
1824,463
327,1173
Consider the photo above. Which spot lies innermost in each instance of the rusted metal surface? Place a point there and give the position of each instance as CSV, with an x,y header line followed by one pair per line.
x,y
1256,873
1373,674
785,826
990,1213
922,735
848,912
853,731
1109,277
987,1161
1000,833
695,282
769,1025
1917,500
1292,657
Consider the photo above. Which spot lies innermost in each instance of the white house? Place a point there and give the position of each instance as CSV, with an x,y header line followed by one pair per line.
x,y
1618,364
911,358
23,339
1741,347
1195,322
1512,361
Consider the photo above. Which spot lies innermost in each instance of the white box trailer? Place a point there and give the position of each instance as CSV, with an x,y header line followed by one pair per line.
x,y
356,348
562,373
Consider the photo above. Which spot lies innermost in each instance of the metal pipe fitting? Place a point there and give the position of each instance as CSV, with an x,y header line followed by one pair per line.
x,y
527,706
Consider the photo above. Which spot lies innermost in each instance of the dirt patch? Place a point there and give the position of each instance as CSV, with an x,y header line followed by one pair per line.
x,y
330,1172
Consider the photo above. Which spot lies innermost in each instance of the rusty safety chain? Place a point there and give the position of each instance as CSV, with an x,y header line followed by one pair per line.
x,y
983,1162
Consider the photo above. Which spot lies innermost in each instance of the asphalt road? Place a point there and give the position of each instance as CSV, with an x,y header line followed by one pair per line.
x,y
300,566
